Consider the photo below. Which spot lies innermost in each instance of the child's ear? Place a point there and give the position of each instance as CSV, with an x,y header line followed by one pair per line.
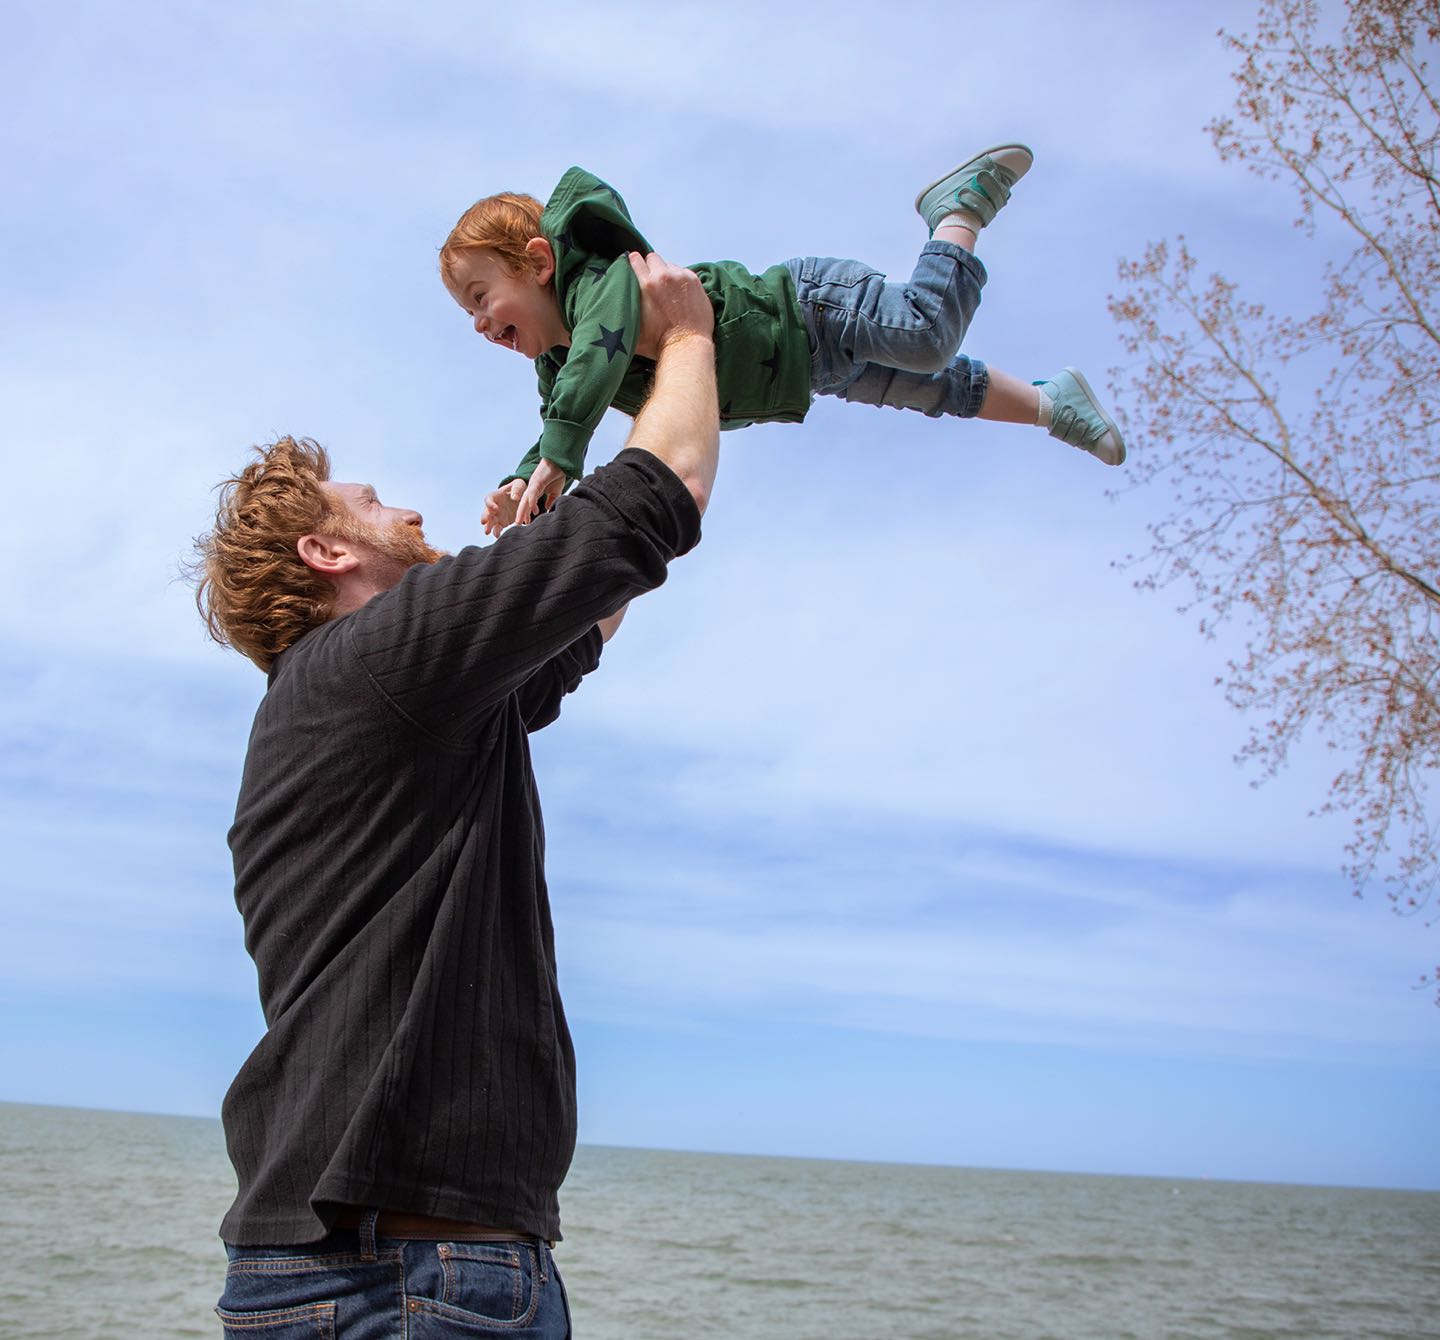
x,y
542,259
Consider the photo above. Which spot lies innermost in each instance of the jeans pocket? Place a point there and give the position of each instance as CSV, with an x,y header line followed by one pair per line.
x,y
278,1294
314,1321
818,273
496,1282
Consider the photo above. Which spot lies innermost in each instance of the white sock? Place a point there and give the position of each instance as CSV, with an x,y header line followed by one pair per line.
x,y
961,218
1043,409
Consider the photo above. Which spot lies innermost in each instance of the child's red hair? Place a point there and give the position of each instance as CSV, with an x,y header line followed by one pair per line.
x,y
503,223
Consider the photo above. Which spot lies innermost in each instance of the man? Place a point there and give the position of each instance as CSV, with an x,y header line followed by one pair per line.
x,y
402,1129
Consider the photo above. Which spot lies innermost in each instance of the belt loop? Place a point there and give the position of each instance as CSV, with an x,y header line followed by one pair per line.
x,y
540,1257
367,1235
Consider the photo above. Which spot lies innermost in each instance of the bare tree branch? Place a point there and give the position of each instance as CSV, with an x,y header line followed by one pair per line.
x,y
1319,528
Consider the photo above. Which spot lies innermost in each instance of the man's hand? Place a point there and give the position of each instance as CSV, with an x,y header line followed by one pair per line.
x,y
546,484
500,506
680,423
673,303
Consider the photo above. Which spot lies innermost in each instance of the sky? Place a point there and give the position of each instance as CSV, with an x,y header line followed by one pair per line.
x,y
898,825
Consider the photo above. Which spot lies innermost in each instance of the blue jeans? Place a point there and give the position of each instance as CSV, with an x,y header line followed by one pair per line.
x,y
349,1286
877,343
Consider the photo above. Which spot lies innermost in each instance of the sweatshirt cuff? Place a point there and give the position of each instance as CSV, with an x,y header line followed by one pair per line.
x,y
563,443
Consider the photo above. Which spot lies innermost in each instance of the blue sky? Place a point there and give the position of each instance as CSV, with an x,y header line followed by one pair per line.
x,y
897,825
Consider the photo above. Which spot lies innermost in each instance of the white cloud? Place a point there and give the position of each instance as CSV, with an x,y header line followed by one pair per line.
x,y
994,945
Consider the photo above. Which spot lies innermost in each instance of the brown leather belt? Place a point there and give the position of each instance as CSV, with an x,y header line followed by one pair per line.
x,y
393,1224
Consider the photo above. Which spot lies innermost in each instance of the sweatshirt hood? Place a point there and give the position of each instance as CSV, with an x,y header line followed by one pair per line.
x,y
584,219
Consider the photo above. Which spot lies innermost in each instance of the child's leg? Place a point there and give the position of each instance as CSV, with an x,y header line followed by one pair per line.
x,y
1009,400
960,389
1065,405
856,317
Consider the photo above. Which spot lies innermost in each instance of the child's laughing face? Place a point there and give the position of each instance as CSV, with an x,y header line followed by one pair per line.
x,y
518,311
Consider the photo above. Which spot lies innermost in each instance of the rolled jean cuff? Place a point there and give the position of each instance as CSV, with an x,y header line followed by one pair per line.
x,y
979,385
968,259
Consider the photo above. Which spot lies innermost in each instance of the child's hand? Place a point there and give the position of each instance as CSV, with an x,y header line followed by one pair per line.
x,y
546,484
499,510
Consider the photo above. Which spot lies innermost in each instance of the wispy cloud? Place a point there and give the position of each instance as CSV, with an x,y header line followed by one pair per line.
x,y
930,927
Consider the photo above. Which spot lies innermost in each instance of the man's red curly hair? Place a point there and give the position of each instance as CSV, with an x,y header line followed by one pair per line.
x,y
253,590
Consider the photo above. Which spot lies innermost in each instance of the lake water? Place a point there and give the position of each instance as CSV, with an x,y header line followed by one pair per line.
x,y
107,1229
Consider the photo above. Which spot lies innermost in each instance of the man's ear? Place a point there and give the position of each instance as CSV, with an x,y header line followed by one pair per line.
x,y
541,256
327,555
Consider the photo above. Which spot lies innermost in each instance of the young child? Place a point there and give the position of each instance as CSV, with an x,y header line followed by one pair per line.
x,y
554,283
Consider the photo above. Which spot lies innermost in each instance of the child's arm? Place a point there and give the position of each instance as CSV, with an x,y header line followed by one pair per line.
x,y
602,344
546,484
518,501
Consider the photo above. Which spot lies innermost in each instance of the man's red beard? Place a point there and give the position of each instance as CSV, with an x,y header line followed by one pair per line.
x,y
403,545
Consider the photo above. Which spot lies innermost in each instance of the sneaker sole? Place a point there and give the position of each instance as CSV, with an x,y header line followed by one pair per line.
x,y
998,149
1108,457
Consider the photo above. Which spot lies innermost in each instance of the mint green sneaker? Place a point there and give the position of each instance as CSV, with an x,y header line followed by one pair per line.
x,y
1076,417
981,185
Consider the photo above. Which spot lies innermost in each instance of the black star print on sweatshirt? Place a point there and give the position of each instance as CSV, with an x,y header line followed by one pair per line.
x,y
613,342
773,363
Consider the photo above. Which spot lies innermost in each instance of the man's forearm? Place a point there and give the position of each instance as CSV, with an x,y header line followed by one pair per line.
x,y
608,626
680,423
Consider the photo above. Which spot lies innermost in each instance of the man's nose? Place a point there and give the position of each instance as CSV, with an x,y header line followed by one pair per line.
x,y
409,517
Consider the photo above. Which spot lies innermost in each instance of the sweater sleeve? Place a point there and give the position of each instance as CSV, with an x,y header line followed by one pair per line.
x,y
602,343
545,369
454,639
540,695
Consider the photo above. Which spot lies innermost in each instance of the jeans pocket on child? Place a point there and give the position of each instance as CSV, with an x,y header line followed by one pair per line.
x,y
843,276
819,273
832,361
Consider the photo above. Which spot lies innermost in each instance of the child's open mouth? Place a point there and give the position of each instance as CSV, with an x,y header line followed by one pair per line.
x,y
507,337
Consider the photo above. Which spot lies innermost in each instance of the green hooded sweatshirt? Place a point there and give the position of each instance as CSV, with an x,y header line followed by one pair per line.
x,y
762,353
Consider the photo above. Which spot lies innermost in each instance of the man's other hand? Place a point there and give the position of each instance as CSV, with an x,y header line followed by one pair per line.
x,y
500,506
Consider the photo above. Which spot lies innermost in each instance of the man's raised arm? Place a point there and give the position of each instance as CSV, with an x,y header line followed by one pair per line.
x,y
680,423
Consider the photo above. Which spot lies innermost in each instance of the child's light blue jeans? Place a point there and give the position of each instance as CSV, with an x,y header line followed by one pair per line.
x,y
878,343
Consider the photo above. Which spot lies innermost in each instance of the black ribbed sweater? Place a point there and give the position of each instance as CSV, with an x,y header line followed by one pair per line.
x,y
389,851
